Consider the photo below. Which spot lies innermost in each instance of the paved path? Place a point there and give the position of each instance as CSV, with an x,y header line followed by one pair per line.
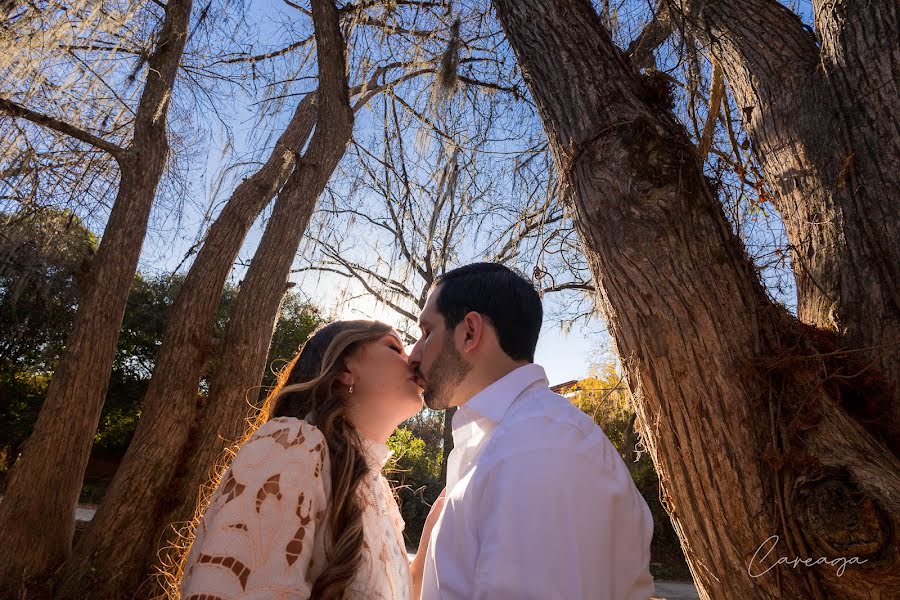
x,y
675,590
85,512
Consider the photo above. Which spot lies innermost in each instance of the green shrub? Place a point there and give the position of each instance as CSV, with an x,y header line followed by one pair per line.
x,y
415,473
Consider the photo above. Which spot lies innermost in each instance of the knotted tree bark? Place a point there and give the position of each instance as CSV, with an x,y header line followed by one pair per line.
x,y
757,423
822,109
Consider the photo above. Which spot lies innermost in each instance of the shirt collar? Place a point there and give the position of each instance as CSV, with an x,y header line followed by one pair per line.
x,y
492,402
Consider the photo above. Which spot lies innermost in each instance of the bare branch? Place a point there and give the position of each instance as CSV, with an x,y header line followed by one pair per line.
x,y
651,37
298,7
274,53
516,93
18,110
373,3
572,285
357,272
371,90
388,28
716,93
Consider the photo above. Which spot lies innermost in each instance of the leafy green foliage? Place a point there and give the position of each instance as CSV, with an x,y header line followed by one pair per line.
x,y
415,469
22,393
42,262
296,321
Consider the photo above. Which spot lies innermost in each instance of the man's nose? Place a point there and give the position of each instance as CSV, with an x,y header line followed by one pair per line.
x,y
415,356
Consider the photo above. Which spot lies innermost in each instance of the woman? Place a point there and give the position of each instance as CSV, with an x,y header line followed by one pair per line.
x,y
303,511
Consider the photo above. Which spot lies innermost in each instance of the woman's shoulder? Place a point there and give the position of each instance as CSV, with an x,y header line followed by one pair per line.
x,y
285,450
290,431
286,435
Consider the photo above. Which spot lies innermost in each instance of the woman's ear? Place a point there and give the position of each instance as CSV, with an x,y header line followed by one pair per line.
x,y
345,377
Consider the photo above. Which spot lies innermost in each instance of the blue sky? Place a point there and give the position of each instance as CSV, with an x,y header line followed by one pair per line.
x,y
565,354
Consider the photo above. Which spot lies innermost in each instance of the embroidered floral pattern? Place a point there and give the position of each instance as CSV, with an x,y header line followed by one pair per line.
x,y
264,533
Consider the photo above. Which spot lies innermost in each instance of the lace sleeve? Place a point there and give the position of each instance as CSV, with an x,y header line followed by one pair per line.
x,y
256,538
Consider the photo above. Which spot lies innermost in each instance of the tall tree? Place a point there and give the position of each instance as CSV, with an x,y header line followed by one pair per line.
x,y
758,424
198,427
124,534
44,484
222,420
822,108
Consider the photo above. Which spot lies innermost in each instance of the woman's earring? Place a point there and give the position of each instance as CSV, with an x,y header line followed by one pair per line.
x,y
351,389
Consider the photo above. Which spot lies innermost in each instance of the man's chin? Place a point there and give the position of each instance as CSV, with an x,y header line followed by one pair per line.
x,y
432,402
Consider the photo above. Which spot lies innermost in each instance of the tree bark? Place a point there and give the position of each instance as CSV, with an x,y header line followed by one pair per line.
x,y
733,395
657,31
825,125
36,515
149,487
241,364
170,404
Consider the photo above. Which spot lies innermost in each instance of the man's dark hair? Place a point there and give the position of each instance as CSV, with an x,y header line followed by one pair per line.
x,y
506,298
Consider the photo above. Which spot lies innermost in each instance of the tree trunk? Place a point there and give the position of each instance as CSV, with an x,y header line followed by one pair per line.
x,y
629,443
734,399
242,361
36,515
825,125
147,491
169,406
240,367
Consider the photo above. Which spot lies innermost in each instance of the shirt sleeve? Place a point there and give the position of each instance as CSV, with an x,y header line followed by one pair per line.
x,y
553,524
256,539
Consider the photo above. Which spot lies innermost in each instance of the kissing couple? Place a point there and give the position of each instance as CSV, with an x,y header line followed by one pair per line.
x,y
538,503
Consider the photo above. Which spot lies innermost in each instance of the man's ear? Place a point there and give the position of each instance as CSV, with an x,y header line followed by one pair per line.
x,y
473,330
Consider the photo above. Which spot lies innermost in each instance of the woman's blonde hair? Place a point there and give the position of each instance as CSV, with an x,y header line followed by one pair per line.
x,y
309,388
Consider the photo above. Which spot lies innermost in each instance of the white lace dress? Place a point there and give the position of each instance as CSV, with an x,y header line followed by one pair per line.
x,y
263,535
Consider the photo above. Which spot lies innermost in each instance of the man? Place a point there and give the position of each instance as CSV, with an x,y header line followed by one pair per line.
x,y
539,505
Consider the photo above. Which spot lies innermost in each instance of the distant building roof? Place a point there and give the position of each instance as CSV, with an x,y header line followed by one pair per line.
x,y
559,387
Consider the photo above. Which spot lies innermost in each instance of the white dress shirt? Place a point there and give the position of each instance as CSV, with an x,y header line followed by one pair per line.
x,y
539,504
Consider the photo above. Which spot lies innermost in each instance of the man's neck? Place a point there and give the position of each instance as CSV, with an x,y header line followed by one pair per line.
x,y
482,378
